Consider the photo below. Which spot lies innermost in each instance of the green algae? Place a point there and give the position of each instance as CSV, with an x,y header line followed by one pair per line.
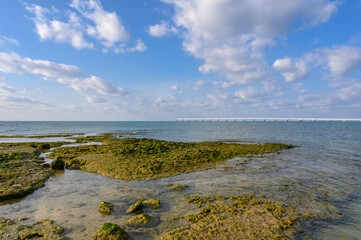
x,y
136,207
109,231
148,159
57,164
152,203
105,208
176,187
44,230
21,171
139,219
42,147
236,218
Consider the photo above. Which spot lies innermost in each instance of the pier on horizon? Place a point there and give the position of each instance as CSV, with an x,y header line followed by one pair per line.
x,y
266,119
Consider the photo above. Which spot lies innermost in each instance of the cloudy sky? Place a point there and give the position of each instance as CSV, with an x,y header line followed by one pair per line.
x,y
162,59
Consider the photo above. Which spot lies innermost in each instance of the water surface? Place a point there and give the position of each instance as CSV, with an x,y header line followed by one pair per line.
x,y
321,175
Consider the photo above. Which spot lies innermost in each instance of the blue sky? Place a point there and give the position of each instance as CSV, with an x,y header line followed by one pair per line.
x,y
162,59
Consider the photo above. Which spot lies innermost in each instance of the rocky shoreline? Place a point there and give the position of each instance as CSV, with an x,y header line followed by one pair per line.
x,y
22,172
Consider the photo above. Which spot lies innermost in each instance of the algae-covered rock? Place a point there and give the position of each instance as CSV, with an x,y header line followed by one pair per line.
x,y
176,187
105,208
44,146
45,165
152,203
110,231
147,159
45,230
140,219
57,164
135,207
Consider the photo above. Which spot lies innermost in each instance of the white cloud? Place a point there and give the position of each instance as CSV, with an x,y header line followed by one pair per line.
x,y
69,75
291,70
6,40
161,30
351,92
231,36
107,26
20,99
6,89
140,47
175,87
95,99
70,32
340,61
85,19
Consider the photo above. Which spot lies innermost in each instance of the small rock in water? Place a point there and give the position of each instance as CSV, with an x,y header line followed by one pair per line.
x,y
110,231
152,203
105,208
140,219
176,187
57,164
135,207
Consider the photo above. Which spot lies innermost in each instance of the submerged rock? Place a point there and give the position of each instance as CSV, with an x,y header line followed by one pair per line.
x,y
57,164
135,207
176,187
152,203
44,229
140,219
105,208
110,231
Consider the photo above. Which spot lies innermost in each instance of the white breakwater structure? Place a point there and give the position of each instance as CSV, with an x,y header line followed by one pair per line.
x,y
266,119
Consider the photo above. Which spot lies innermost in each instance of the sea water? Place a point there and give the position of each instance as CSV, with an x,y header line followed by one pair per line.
x,y
322,175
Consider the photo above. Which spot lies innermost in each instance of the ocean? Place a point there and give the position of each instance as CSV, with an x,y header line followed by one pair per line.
x,y
322,174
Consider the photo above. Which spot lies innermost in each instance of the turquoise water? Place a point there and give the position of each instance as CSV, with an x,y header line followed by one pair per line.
x,y
321,175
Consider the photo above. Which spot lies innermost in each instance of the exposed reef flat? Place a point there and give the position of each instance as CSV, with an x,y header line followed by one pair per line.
x,y
147,159
45,229
21,170
237,218
42,136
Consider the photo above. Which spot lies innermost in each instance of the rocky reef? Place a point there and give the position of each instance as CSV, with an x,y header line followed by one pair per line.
x,y
109,231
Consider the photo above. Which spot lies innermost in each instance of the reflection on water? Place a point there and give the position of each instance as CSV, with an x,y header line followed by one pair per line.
x,y
320,176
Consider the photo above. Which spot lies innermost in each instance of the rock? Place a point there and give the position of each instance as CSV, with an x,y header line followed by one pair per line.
x,y
45,165
135,207
105,208
43,146
44,229
152,203
140,219
176,187
57,164
110,231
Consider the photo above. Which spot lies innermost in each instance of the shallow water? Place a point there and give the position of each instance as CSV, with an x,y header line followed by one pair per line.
x,y
321,176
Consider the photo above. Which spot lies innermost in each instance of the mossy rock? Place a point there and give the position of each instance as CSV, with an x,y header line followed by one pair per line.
x,y
57,164
45,165
110,231
44,146
176,187
139,219
148,159
44,229
152,203
105,208
135,207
